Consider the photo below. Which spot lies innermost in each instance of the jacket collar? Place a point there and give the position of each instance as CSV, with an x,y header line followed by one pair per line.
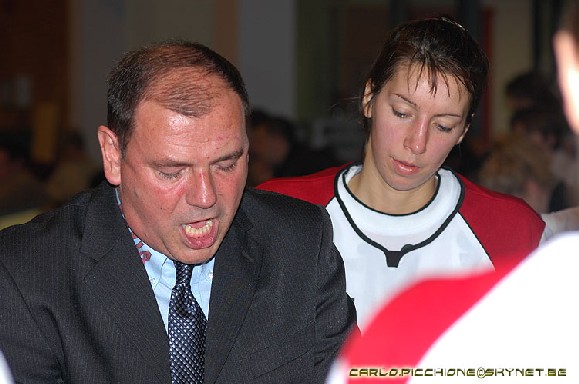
x,y
118,282
236,272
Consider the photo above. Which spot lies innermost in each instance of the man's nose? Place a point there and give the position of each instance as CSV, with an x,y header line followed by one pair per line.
x,y
201,190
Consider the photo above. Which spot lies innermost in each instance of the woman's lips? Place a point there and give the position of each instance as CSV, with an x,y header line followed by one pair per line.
x,y
405,168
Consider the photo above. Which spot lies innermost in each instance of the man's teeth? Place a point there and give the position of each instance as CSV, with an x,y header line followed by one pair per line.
x,y
189,230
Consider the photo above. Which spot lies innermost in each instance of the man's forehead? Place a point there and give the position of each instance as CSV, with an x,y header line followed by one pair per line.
x,y
188,91
223,123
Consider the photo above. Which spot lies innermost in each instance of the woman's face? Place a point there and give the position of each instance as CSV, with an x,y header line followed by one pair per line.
x,y
412,128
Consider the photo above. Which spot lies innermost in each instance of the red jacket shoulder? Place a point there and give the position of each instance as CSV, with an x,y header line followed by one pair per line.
x,y
506,226
317,188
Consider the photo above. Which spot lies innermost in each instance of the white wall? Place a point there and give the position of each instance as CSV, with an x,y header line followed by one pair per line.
x,y
512,53
267,53
98,37
154,20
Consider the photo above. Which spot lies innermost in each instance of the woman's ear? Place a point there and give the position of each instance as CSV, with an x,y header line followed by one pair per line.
x,y
367,100
464,133
111,155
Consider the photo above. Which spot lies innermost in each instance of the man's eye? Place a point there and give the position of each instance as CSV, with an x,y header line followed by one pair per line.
x,y
227,167
169,175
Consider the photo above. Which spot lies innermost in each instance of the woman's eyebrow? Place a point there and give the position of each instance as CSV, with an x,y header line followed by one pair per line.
x,y
406,99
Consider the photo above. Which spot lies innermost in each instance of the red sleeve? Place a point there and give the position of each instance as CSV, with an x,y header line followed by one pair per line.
x,y
507,227
404,330
317,188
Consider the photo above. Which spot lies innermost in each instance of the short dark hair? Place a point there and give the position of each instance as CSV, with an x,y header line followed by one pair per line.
x,y
533,86
136,77
440,46
549,122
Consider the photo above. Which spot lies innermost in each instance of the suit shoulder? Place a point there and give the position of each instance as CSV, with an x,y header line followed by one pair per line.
x,y
50,230
276,201
45,223
269,206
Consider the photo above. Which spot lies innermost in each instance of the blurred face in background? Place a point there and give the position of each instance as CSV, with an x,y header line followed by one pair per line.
x,y
568,75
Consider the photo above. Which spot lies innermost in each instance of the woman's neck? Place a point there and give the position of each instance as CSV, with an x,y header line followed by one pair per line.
x,y
378,195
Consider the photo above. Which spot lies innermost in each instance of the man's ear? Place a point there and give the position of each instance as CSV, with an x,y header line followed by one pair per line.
x,y
367,100
111,153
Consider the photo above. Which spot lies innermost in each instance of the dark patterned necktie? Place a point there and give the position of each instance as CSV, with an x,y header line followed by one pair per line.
x,y
187,326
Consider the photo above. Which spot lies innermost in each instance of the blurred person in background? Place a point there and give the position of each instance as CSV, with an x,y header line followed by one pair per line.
x,y
277,151
519,167
530,89
73,172
20,189
548,129
535,107
399,216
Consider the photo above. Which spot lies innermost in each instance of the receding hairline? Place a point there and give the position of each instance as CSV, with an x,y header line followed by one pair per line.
x,y
190,91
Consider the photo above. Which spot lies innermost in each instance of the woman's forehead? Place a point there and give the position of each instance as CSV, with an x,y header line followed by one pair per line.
x,y
415,75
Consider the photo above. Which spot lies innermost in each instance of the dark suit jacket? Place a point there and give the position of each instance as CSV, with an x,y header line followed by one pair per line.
x,y
76,305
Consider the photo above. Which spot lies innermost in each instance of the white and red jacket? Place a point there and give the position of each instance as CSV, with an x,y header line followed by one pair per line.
x,y
463,229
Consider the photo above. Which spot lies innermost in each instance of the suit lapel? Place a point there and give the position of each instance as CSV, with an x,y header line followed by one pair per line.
x,y
236,270
119,285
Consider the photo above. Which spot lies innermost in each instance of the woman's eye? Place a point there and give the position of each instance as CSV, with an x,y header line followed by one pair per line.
x,y
446,127
398,113
443,128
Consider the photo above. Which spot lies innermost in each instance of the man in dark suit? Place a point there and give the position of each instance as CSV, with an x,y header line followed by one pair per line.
x,y
86,291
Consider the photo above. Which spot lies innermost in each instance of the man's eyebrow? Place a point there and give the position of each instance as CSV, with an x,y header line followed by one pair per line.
x,y
231,156
176,164
170,163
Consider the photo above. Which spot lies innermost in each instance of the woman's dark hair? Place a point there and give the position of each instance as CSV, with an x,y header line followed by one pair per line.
x,y
438,46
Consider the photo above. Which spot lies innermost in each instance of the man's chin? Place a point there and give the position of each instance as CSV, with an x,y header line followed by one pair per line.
x,y
197,256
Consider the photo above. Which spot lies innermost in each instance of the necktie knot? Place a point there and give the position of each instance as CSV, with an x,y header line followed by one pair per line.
x,y
183,273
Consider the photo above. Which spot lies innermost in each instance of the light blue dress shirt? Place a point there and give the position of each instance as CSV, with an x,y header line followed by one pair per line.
x,y
161,271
